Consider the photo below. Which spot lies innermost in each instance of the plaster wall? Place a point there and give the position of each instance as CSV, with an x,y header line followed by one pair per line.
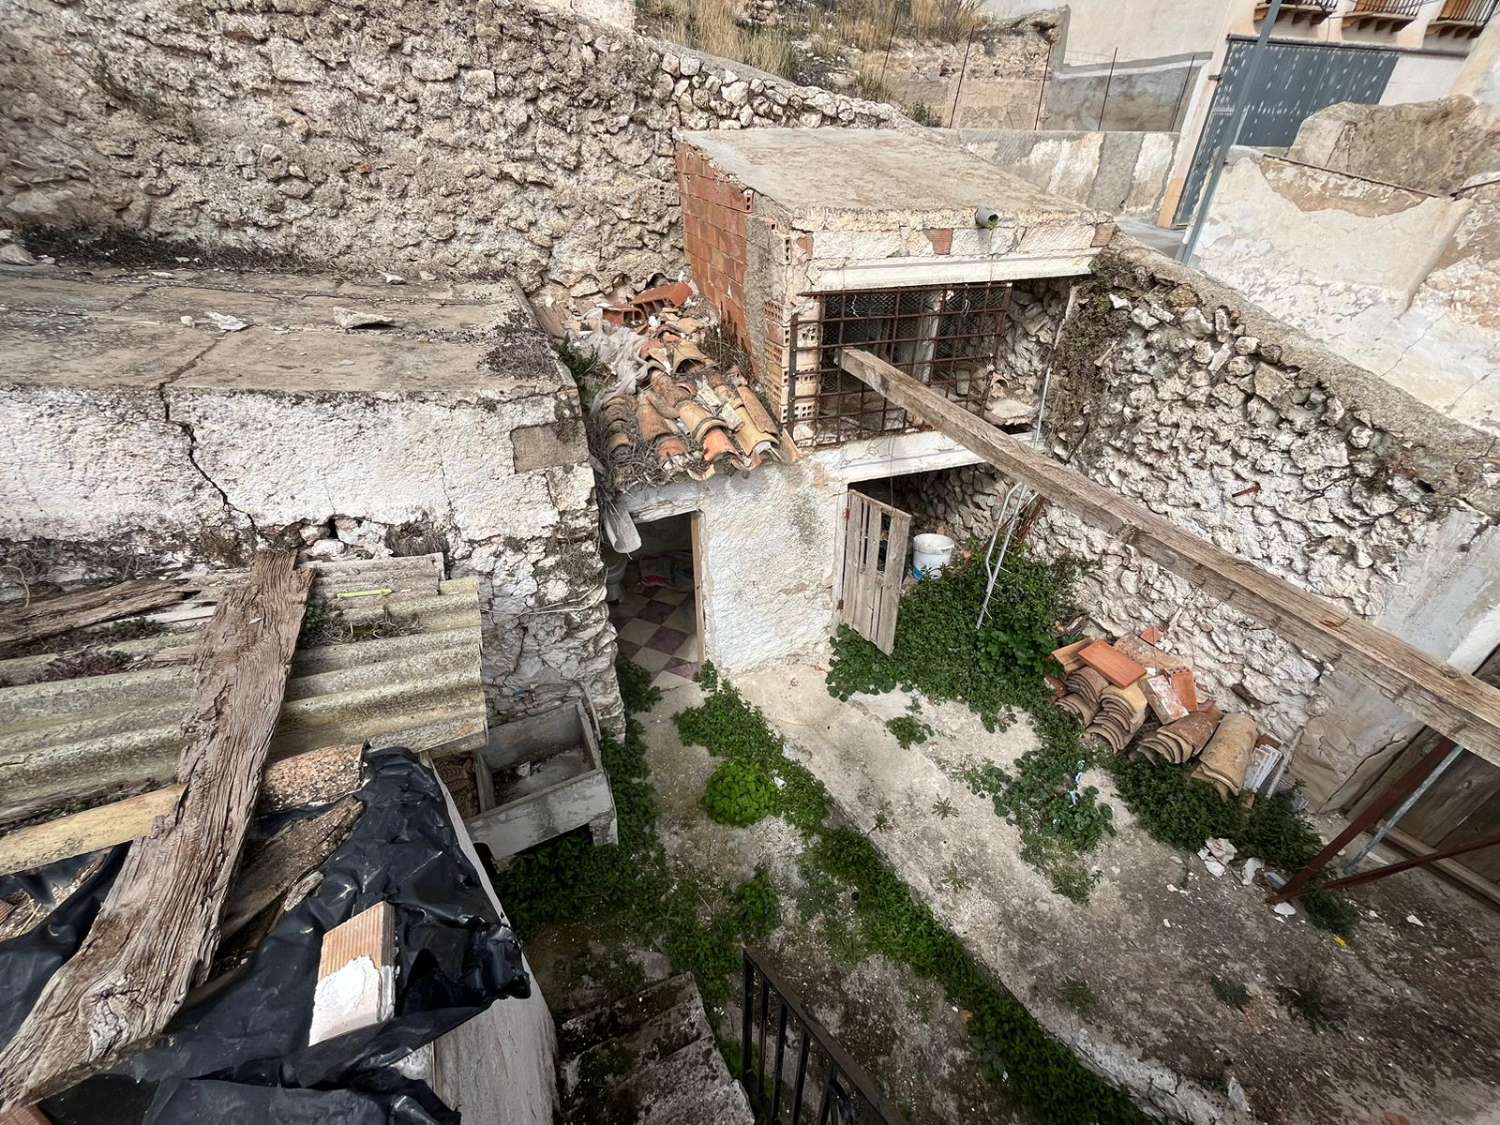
x,y
1422,77
1118,172
771,539
133,443
1401,282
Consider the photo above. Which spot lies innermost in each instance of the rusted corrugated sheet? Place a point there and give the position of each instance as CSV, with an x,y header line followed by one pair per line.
x,y
403,670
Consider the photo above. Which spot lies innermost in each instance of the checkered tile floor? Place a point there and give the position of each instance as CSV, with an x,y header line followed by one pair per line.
x,y
658,630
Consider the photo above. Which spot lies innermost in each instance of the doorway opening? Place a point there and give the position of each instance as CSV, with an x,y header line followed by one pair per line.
x,y
656,602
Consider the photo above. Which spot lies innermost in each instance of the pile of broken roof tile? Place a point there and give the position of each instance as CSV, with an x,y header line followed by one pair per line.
x,y
675,411
1115,688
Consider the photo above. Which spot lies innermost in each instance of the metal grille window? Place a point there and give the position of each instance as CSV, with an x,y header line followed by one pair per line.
x,y
949,337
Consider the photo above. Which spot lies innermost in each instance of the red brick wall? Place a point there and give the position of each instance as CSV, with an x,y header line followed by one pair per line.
x,y
715,220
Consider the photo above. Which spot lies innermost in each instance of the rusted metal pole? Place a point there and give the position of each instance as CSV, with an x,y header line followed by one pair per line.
x,y
1405,807
889,41
962,70
1407,864
1108,82
1408,783
1041,97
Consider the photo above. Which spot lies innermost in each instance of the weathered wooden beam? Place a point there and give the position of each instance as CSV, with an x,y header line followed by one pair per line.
x,y
314,778
1450,701
51,617
278,863
158,927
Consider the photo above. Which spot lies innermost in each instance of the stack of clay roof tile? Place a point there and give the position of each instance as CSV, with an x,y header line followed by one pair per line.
x,y
1122,711
686,414
1178,741
1110,686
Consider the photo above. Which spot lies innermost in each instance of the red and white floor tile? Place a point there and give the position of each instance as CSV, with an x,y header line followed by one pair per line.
x,y
658,630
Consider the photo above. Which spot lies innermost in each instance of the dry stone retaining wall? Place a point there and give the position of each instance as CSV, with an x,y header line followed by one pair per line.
x,y
1179,395
462,136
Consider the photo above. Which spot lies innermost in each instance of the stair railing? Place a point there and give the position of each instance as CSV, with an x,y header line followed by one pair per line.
x,y
823,1070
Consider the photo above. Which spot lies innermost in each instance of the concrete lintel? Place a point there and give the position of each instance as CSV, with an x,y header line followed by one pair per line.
x,y
903,273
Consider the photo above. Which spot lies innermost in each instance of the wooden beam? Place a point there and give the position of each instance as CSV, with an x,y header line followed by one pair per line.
x,y
1450,701
158,927
314,778
283,859
51,617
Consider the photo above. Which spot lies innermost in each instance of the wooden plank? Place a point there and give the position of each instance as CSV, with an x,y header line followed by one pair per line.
x,y
314,778
51,617
1458,705
158,927
356,974
890,588
278,863
85,831
869,571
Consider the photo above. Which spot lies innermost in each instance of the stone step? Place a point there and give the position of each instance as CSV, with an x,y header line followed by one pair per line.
x,y
690,1086
599,1025
605,1064
649,1059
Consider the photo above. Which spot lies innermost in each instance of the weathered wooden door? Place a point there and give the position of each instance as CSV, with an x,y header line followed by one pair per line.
x,y
875,537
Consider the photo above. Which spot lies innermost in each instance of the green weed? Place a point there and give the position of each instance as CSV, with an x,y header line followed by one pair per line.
x,y
739,793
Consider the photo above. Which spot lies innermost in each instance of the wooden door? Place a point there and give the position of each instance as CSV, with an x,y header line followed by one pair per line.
x,y
875,537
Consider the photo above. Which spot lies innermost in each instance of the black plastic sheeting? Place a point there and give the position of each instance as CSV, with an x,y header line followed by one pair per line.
x,y
242,1055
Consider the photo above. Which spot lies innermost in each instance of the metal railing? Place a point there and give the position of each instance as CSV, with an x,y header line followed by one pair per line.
x,y
1398,9
1323,7
1476,12
823,1073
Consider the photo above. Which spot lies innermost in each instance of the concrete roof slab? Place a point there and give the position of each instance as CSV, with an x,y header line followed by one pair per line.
x,y
818,174
64,350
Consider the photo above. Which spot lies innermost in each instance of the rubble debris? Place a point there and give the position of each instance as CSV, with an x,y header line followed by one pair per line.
x,y
355,318
672,411
1285,909
1252,868
394,279
356,975
1067,657
1118,668
1224,760
1217,853
1163,700
228,323
14,254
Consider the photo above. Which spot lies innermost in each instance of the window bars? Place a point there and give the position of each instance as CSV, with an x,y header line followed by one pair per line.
x,y
950,337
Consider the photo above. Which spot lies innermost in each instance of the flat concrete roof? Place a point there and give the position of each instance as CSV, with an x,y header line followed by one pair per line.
x,y
146,328
815,173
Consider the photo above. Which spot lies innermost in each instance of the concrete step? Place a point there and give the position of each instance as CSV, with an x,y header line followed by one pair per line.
x,y
649,1059
599,1025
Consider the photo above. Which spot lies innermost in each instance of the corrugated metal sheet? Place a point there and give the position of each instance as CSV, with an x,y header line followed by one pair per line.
x,y
76,741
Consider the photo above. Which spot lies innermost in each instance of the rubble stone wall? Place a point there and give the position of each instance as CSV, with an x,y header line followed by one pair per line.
x,y
462,136
1179,395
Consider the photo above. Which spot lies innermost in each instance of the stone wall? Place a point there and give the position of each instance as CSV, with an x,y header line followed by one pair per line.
x,y
993,83
454,136
1403,282
137,443
1180,395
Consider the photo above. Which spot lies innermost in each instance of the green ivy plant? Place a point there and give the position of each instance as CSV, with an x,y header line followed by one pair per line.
x,y
739,793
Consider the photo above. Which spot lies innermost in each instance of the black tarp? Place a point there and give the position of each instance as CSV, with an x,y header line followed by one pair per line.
x,y
242,1054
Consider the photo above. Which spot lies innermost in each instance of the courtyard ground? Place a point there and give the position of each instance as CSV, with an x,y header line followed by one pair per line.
x,y
896,1024
1404,1022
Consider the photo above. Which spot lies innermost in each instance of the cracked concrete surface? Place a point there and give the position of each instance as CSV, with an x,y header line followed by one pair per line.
x,y
134,421
1417,1040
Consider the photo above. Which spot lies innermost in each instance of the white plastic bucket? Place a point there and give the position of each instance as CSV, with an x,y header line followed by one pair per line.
x,y
930,553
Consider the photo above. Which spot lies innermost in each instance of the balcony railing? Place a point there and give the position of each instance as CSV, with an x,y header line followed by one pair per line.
x,y
1389,11
1317,9
776,1028
1464,13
